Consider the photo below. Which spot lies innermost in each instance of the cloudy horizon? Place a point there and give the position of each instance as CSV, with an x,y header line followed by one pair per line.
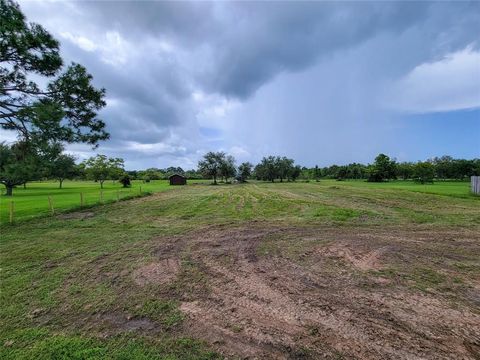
x,y
320,82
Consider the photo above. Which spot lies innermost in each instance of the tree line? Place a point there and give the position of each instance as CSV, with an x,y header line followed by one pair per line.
x,y
384,168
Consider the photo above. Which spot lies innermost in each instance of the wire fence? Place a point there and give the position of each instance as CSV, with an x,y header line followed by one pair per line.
x,y
53,205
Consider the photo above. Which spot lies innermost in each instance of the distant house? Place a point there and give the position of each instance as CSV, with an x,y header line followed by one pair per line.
x,y
176,179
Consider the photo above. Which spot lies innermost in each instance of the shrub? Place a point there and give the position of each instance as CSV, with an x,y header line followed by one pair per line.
x,y
125,180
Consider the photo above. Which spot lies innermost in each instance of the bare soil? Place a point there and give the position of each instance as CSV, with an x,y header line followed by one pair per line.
x,y
350,293
161,272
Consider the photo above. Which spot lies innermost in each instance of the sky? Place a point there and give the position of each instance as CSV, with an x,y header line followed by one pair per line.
x,y
319,82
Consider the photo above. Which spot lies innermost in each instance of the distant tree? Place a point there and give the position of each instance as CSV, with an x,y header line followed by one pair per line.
x,y
125,180
101,168
294,172
65,110
16,166
405,170
211,165
193,174
267,169
423,172
63,167
228,168
342,173
244,171
283,167
382,169
132,174
317,173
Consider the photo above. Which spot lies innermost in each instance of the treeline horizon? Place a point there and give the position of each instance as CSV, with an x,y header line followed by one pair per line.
x,y
279,168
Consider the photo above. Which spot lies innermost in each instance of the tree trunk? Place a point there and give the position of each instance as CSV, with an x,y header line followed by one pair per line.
x,y
9,190
61,182
25,185
214,180
101,184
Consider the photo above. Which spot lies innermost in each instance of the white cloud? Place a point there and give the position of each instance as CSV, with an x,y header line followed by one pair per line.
x,y
81,41
451,83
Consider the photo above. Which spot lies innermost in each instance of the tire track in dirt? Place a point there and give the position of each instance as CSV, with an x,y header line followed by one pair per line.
x,y
270,307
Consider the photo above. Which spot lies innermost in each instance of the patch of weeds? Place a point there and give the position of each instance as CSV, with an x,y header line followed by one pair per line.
x,y
190,279
165,312
236,328
419,278
313,331
467,267
338,214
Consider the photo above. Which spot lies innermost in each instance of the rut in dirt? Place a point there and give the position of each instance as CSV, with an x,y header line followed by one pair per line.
x,y
327,304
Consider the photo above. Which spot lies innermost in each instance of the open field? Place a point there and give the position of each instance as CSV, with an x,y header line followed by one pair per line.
x,y
335,270
33,201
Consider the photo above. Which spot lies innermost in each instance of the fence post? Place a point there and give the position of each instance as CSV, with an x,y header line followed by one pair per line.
x,y
50,202
140,190
118,196
101,196
81,200
475,184
11,212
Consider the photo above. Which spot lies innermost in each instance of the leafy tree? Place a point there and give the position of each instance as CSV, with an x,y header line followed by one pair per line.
x,y
101,168
267,169
211,165
63,167
405,170
342,173
244,171
423,172
193,174
65,109
283,166
294,172
317,173
382,169
16,166
125,180
228,168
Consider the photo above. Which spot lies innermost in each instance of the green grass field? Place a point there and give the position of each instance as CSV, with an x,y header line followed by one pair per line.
x,y
33,201
202,272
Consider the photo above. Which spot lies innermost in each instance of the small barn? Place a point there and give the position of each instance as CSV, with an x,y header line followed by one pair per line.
x,y
176,179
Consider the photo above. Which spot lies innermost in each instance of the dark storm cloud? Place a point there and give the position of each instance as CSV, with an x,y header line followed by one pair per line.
x,y
243,45
166,64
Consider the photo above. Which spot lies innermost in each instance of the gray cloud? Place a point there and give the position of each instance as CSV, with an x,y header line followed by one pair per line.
x,y
265,76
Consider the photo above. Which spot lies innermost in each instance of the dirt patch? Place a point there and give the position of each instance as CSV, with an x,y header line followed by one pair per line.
x,y
273,307
370,260
157,273
77,215
108,324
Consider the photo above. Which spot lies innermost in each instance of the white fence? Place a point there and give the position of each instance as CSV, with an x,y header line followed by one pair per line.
x,y
475,182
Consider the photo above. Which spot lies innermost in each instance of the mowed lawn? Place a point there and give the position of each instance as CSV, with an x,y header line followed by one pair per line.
x,y
286,270
33,201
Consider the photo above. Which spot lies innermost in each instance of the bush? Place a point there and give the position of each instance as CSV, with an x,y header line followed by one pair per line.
x,y
146,179
125,180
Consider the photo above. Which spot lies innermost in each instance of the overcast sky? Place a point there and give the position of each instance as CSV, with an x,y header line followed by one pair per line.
x,y
320,82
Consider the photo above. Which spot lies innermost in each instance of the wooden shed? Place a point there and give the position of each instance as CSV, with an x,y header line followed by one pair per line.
x,y
176,179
